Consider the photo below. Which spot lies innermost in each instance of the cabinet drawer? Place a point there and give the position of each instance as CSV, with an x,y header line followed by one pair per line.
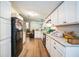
x,y
57,53
59,47
52,42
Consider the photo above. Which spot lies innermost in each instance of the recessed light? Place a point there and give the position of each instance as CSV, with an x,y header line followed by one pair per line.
x,y
31,13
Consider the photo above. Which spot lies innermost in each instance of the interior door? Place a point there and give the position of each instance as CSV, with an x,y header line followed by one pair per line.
x,y
57,53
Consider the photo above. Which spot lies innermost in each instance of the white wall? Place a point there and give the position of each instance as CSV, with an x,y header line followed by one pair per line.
x,y
35,25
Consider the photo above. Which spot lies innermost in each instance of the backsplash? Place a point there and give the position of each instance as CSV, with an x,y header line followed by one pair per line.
x,y
69,28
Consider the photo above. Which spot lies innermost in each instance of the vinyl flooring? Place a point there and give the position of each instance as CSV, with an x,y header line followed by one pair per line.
x,y
34,48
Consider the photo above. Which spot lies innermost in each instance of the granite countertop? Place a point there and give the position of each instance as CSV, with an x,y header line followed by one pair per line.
x,y
62,41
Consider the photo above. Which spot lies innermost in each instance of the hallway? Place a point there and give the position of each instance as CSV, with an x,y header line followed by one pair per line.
x,y
34,48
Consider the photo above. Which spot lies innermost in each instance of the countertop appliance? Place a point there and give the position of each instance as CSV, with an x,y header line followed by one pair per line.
x,y
16,36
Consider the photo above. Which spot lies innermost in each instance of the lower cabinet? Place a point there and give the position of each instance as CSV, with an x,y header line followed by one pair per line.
x,y
55,52
48,45
56,49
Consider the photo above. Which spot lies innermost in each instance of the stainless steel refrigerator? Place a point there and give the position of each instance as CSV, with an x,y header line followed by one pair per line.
x,y
16,36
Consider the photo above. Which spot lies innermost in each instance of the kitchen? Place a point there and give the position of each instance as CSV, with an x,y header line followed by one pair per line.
x,y
39,28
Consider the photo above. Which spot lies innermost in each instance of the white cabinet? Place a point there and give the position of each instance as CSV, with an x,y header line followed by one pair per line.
x,y
48,18
61,15
77,11
48,44
57,49
57,53
70,11
5,9
54,17
52,48
67,12
48,21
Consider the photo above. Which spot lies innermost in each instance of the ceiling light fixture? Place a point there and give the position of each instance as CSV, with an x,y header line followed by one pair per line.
x,y
31,13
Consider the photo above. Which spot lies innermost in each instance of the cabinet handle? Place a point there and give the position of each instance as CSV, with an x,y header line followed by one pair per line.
x,y
64,21
58,51
55,47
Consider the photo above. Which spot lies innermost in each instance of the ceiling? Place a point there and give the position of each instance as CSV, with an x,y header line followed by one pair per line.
x,y
42,8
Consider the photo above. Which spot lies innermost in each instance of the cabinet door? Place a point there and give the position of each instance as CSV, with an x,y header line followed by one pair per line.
x,y
70,11
5,9
60,48
52,51
54,17
57,53
48,44
61,16
48,18
52,48
77,12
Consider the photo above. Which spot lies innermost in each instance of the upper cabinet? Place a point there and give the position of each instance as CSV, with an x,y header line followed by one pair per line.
x,y
77,11
69,11
54,17
66,14
5,6
61,15
48,22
